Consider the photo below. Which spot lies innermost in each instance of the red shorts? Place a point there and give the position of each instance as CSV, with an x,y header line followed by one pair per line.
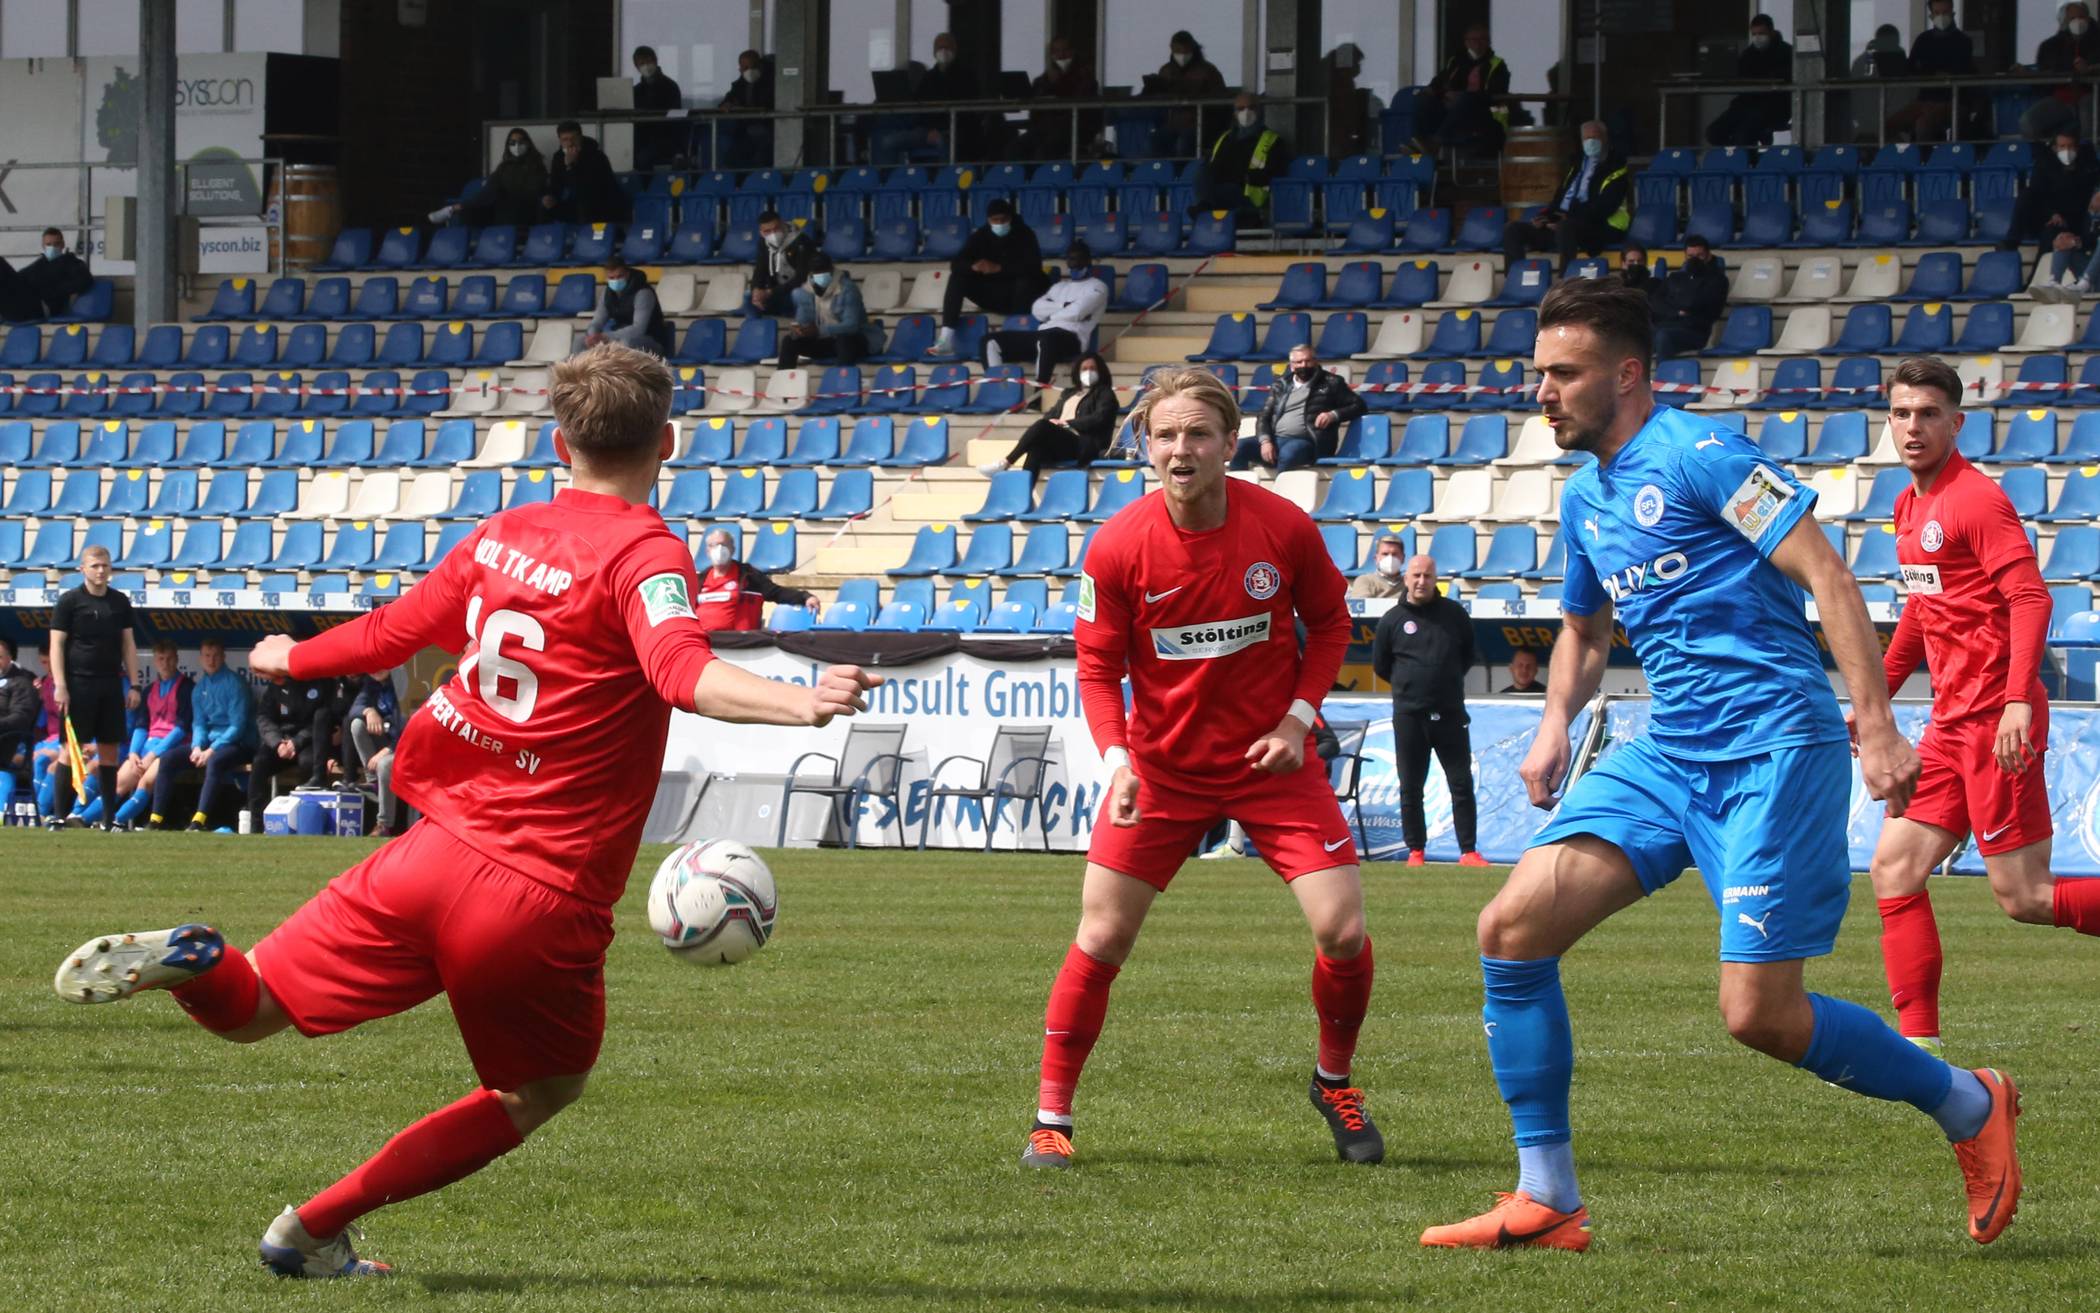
x,y
522,964
1293,820
1962,789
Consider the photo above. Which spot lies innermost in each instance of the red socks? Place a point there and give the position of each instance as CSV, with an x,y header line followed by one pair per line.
x,y
224,997
1341,990
2078,905
450,1143
1071,1024
1910,954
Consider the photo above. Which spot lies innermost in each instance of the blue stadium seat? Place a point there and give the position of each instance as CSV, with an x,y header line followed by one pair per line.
x,y
1855,382
816,442
1408,493
1936,278
925,443
351,447
1371,232
355,346
1439,374
1875,557
301,449
1767,224
329,299
1454,549
2043,379
757,342
1367,440
1927,329
1886,223
575,296
1747,331
1284,332
477,496
894,391
1415,283
494,247
1511,554
377,298
705,341
873,441
257,346
398,249
1994,216
932,552
990,550
351,250
97,305
402,345
765,442
590,243
1062,497
850,496
1841,440
425,299
1428,230
2030,437
1304,287
448,249
1713,220
1482,230
235,300
1828,223
1231,338
274,497
524,297
1347,332
711,444
1214,232
645,242
209,348
1525,285
1514,335
1350,496
1783,435
1880,505
2074,555
1457,334
500,344
1866,329
1119,489
1942,221
837,392
114,347
351,549
1485,438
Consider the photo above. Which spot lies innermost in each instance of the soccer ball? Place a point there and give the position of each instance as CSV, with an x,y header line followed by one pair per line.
x,y
712,902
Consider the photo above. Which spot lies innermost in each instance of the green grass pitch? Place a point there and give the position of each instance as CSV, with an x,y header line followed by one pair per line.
x,y
835,1124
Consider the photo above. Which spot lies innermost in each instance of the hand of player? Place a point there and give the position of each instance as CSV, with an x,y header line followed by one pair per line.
x,y
2013,747
62,696
272,658
131,700
1852,730
1545,766
1281,750
1325,419
1123,798
1889,766
838,691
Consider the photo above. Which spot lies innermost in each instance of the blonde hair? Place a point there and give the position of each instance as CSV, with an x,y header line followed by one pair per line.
x,y
611,403
1197,384
91,553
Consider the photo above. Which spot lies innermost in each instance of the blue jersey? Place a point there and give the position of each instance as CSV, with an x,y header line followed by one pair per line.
x,y
1674,533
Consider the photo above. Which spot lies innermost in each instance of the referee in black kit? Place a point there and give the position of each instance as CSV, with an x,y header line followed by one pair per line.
x,y
1423,648
93,649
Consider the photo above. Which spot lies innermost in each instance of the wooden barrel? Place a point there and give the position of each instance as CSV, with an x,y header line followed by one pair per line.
x,y
1533,160
313,212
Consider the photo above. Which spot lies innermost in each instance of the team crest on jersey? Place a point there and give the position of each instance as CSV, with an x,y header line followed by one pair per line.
x,y
1757,502
664,598
1932,537
1648,506
1263,580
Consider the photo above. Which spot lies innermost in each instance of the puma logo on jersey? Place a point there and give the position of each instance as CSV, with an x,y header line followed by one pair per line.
x,y
1743,918
514,564
1591,525
1704,443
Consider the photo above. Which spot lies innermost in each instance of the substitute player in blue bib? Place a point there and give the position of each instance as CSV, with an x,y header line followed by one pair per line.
x,y
1706,550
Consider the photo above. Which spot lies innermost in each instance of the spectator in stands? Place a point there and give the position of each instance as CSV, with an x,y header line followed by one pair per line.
x,y
1634,270
511,193
1423,648
1753,116
785,256
57,278
51,745
747,143
298,723
1077,428
1351,109
999,270
1066,314
2057,193
1883,56
1185,75
1303,418
581,185
628,312
1589,210
1383,579
1940,49
1067,78
733,595
2070,269
831,320
375,724
21,719
1524,678
1458,107
948,79
1689,301
2074,49
222,737
656,145
1242,162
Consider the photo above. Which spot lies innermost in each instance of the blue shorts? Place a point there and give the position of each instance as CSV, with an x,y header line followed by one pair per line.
x,y
1767,834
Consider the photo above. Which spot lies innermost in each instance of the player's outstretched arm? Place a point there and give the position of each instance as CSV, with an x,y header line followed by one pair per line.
x,y
1576,673
1886,762
731,693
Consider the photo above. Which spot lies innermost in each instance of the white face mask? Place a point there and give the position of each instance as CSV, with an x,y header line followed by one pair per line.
x,y
517,150
777,238
2078,26
2064,157
646,70
1389,566
1760,41
718,554
752,75
1247,118
944,57
1063,65
1182,58
1001,229
1089,378
1943,21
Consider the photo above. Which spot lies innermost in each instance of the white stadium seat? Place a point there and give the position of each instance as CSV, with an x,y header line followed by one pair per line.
x,y
326,496
1299,487
430,494
552,340
1471,283
1759,278
1807,331
927,290
475,395
676,293
1982,378
734,390
378,496
505,443
1735,383
1878,277
1535,444
1837,492
881,291
787,390
1466,495
1399,335
2048,328
724,296
1525,496
527,394
1816,279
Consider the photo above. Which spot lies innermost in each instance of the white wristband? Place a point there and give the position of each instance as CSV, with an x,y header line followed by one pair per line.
x,y
1304,712
1115,759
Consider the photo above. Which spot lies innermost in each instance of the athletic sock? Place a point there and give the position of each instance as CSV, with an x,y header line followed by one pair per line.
x,y
197,819
1071,1024
1053,1121
1341,991
1530,1045
224,997
1910,955
1327,1080
1546,1172
455,1141
136,803
106,777
1853,1048
2077,904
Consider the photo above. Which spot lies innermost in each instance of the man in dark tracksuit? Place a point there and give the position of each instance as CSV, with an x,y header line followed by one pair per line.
x,y
298,723
1423,648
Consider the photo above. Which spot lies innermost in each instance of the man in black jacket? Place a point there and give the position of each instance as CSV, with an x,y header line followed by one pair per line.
x,y
1941,49
21,707
1752,117
2073,49
1303,418
781,265
1588,212
999,270
300,725
1242,162
1423,648
2057,193
1458,107
57,278
747,143
656,145
1689,302
581,185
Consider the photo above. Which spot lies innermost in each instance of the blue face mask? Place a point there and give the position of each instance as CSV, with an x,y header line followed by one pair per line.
x,y
616,284
1592,147
53,252
820,281
1001,229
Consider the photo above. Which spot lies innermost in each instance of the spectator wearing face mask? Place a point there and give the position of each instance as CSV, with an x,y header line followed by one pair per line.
x,y
2074,49
2070,269
1689,301
926,135
1589,209
628,313
1303,418
1241,163
1066,315
57,278
581,185
1940,49
1458,106
831,320
999,270
782,264
1077,428
1634,270
1752,117
511,193
2054,201
1186,74
1067,78
1883,56
1388,562
733,595
747,144
656,145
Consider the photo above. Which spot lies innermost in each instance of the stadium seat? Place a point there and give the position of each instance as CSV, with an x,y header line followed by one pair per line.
x,y
1350,496
1119,489
1366,440
235,300
1828,223
850,496
1996,276
1370,233
1304,287
524,297
1415,283
1512,553
1231,338
1988,328
1457,334
1482,230
1453,548
352,249
1875,558
1880,505
1514,335
1747,331
2077,500
1865,331
114,347
2074,555
925,443
1428,230
932,552
1927,329
1343,334
1399,336
2043,379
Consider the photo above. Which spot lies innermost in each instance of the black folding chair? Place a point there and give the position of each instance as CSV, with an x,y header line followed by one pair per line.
x,y
1347,774
1016,769
869,765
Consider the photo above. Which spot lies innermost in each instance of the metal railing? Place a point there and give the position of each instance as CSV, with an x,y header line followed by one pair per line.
x,y
1799,93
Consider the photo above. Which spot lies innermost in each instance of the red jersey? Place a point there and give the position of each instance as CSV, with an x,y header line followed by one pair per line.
x,y
1977,611
1201,622
726,601
542,752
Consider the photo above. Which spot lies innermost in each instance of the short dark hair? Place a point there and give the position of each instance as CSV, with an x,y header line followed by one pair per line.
x,y
1080,252
1619,315
1766,19
999,207
821,263
7,645
53,232
568,125
769,216
753,53
1697,239
640,52
1929,372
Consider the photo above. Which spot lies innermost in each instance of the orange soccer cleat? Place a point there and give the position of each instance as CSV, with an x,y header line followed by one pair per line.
x,y
1990,1166
1048,1146
1471,859
1516,1220
1416,857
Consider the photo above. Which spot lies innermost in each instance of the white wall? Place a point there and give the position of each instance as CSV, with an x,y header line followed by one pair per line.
x,y
2037,23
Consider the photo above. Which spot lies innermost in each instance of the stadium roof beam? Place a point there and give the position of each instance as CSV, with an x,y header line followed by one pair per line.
x,y
153,298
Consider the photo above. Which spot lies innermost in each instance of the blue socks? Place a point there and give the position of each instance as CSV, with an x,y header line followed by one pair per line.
x,y
134,807
1854,1048
1532,1050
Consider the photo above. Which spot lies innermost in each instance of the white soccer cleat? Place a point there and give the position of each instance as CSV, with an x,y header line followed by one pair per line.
x,y
113,967
289,1251
943,343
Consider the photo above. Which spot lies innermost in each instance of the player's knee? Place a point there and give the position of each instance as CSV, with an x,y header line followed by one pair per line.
x,y
2034,904
1896,876
1341,939
535,1103
1504,932
1105,940
1756,1023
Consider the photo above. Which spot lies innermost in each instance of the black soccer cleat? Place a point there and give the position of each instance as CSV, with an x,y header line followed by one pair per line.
x,y
1356,1140
1048,1146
